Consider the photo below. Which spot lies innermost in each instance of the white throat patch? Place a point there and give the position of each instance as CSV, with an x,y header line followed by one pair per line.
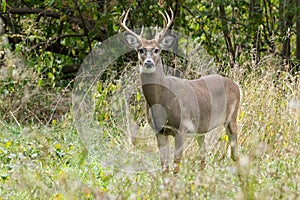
x,y
147,70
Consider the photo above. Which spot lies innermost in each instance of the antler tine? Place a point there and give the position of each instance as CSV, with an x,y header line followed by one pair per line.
x,y
165,19
167,23
122,22
170,20
142,31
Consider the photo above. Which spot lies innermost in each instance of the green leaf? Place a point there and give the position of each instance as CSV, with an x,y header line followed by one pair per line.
x,y
138,96
40,83
3,4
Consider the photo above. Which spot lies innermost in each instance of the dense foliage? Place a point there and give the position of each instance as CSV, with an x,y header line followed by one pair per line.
x,y
231,31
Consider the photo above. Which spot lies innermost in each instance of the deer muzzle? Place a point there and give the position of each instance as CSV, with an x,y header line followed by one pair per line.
x,y
148,64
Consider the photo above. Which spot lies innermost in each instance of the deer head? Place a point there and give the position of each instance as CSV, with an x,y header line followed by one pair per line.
x,y
149,50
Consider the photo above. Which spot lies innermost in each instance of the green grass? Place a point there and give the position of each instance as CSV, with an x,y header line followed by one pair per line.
x,y
51,162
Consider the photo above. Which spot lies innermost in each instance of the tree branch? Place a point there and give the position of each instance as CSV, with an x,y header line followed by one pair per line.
x,y
226,33
68,69
86,24
55,40
86,31
49,13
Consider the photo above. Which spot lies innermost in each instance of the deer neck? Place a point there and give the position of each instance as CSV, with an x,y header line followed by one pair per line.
x,y
153,84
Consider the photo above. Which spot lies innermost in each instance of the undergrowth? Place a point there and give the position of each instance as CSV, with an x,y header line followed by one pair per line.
x,y
39,162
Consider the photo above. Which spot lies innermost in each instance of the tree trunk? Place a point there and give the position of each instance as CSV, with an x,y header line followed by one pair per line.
x,y
287,24
298,29
255,18
226,33
297,69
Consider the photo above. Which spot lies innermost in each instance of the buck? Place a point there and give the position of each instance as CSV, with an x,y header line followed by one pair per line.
x,y
179,106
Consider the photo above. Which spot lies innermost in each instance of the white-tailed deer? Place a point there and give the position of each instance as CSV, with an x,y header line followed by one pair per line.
x,y
178,106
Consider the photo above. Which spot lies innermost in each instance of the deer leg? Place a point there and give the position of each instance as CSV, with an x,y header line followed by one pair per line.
x,y
164,148
179,146
231,131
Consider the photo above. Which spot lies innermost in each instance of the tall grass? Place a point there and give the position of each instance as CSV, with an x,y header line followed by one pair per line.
x,y
52,163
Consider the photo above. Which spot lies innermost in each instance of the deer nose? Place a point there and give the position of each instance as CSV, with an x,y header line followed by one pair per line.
x,y
148,64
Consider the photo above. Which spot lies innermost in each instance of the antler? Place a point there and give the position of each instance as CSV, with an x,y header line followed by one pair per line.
x,y
167,23
122,22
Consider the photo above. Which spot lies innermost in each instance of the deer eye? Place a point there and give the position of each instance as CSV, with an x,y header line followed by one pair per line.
x,y
141,51
155,51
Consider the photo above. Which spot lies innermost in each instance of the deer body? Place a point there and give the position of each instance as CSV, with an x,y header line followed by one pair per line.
x,y
178,106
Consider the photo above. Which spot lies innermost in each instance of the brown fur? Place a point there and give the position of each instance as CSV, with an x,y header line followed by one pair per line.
x,y
217,99
178,106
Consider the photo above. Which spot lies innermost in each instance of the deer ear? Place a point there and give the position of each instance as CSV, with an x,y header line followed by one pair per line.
x,y
168,41
132,41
